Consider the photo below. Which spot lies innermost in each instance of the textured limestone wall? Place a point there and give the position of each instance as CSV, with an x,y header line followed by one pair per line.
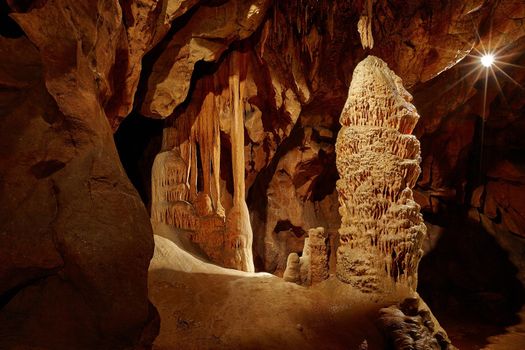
x,y
378,163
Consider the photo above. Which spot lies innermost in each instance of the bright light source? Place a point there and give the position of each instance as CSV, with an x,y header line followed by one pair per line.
x,y
487,60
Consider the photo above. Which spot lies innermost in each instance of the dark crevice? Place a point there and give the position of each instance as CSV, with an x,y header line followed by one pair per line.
x,y
257,199
138,140
286,225
11,293
8,27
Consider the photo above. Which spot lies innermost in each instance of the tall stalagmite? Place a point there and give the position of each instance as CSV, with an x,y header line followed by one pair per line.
x,y
378,163
239,235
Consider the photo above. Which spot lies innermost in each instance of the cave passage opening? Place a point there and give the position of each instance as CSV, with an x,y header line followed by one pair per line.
x,y
138,140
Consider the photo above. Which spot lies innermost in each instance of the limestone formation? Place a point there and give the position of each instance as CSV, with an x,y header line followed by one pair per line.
x,y
186,191
185,178
364,26
319,254
239,235
75,238
410,325
204,38
171,192
293,269
312,267
378,162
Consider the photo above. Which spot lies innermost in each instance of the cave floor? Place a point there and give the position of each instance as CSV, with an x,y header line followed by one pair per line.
x,y
203,306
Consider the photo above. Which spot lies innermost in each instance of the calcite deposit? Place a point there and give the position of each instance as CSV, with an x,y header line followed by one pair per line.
x,y
313,265
186,191
378,162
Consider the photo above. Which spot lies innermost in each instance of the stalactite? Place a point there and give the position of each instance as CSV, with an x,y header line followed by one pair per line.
x,y
216,162
186,174
364,26
264,38
378,162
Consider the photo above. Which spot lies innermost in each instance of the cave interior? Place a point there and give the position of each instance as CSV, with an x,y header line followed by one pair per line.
x,y
262,174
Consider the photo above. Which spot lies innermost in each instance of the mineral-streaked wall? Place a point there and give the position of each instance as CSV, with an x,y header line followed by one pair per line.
x,y
378,162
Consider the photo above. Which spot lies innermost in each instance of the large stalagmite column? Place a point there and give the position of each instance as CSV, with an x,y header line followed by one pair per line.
x,y
239,235
378,163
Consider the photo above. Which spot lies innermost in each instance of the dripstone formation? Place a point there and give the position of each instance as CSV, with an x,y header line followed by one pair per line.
x,y
313,266
378,163
186,190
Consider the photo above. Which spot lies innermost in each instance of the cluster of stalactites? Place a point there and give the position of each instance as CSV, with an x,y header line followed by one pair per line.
x,y
196,135
378,162
297,26
186,175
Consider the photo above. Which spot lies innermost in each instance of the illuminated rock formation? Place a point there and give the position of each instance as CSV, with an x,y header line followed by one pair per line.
x,y
312,267
239,235
364,26
378,163
170,191
186,191
204,38
293,269
319,254
185,177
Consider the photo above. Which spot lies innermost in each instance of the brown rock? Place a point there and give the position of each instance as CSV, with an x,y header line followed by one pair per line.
x,y
477,197
204,38
76,239
313,265
507,199
146,22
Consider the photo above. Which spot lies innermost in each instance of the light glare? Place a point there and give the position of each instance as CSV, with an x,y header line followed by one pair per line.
x,y
487,60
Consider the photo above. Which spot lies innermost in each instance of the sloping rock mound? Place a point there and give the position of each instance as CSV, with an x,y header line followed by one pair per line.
x,y
75,238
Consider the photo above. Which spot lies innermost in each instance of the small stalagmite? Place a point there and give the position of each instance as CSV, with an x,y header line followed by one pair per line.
x,y
319,254
378,162
312,267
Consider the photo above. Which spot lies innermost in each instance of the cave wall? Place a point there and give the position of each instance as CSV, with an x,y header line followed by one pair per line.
x,y
75,239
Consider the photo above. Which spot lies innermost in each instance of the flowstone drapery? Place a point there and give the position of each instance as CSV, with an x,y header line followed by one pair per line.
x,y
378,163
186,191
